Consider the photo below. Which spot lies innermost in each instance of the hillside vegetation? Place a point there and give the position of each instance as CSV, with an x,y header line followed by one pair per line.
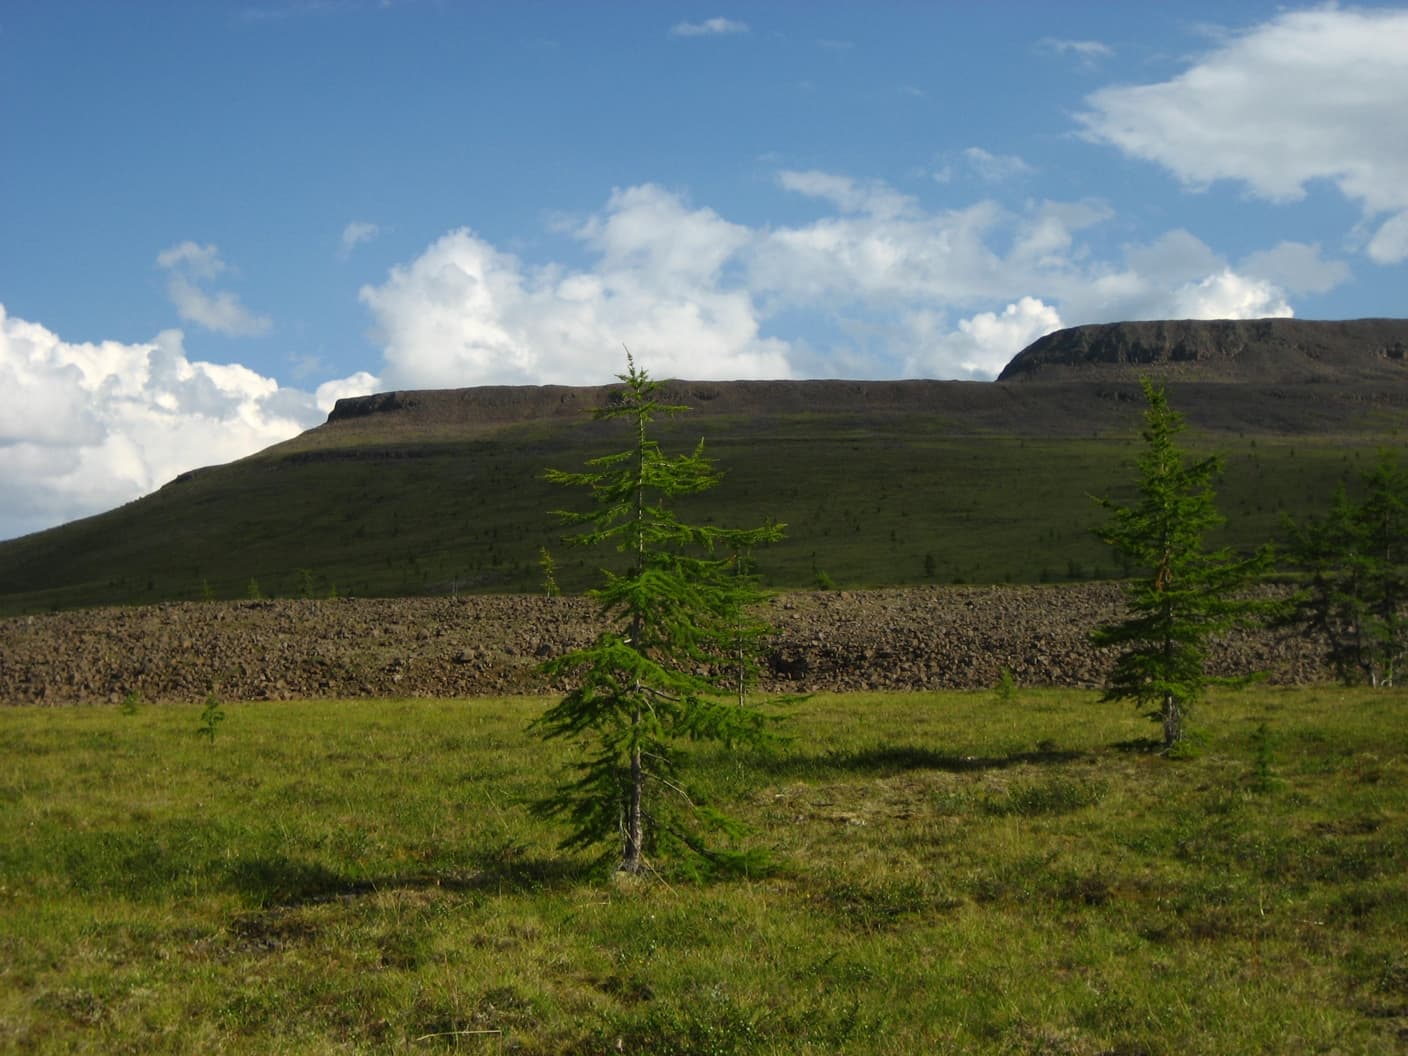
x,y
879,484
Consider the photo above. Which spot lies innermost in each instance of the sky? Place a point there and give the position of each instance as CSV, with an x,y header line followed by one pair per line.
x,y
218,218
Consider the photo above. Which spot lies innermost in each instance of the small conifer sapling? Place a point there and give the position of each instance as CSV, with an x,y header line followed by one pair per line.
x,y
1184,594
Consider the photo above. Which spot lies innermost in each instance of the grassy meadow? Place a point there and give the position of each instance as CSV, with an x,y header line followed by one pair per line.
x,y
955,873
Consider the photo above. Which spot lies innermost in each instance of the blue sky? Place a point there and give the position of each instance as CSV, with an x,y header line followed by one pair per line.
x,y
216,218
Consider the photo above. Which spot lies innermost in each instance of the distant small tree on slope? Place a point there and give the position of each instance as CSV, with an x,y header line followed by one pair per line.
x,y
677,642
1184,594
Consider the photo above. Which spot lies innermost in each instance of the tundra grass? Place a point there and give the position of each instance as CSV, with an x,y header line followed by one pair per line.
x,y
956,872
865,504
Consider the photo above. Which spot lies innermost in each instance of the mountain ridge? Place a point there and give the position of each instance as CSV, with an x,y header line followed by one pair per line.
x,y
881,483
1349,363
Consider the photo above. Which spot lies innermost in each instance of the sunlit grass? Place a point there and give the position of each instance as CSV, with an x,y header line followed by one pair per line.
x,y
954,874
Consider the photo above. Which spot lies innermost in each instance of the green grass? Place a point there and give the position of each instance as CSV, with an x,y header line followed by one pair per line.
x,y
956,874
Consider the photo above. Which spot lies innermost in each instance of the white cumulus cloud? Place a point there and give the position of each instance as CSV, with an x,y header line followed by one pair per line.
x,y
982,344
875,286
1176,276
1390,243
1227,295
881,254
93,425
1314,95
326,395
191,267
464,313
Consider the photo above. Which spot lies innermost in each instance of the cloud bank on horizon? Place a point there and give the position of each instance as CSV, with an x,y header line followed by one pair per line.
x,y
90,426
857,276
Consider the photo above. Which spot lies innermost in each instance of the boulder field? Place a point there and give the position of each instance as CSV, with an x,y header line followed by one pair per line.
x,y
893,639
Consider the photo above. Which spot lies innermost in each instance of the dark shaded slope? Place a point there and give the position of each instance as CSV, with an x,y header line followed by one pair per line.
x,y
1047,403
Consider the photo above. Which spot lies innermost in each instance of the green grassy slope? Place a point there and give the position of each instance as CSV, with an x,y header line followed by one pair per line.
x,y
869,499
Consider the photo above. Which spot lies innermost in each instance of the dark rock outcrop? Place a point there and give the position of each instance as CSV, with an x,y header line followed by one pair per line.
x,y
1259,351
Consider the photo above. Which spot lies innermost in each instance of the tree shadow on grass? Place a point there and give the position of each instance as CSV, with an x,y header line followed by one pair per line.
x,y
281,881
278,880
522,873
895,759
1140,745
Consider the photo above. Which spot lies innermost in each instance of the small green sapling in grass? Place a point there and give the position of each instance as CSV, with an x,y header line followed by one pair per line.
x,y
1263,757
1005,692
210,718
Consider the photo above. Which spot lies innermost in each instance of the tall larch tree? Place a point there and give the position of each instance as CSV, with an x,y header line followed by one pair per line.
x,y
677,644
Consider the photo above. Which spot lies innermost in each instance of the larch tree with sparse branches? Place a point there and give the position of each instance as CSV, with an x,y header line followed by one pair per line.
x,y
678,646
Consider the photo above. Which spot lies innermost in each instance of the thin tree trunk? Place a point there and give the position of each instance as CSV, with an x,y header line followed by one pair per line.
x,y
1173,721
634,857
1172,714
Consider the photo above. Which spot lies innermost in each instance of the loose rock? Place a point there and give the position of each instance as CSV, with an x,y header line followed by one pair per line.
x,y
896,639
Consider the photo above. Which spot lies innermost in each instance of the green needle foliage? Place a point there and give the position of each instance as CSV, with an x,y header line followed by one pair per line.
x,y
1185,594
1356,560
211,718
678,648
